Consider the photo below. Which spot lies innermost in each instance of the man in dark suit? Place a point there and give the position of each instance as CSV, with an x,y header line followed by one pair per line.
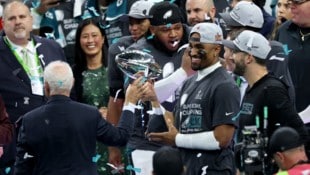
x,y
21,81
59,138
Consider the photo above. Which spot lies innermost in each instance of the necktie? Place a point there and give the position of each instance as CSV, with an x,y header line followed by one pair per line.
x,y
30,63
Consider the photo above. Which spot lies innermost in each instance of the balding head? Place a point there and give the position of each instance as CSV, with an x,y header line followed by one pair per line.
x,y
58,78
17,22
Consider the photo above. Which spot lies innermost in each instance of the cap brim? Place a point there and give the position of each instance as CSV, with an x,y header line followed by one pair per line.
x,y
230,44
229,20
125,18
137,16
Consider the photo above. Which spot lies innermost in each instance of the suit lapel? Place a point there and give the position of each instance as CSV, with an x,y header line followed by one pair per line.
x,y
9,58
40,50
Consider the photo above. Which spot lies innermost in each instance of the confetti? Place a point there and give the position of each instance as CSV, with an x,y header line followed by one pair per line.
x,y
286,50
146,50
96,158
150,37
168,25
130,167
7,170
171,1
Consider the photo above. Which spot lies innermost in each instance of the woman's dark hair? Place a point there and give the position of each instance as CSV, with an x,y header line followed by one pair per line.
x,y
79,57
80,63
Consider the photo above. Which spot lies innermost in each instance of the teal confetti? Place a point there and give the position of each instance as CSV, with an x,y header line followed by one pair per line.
x,y
35,4
146,50
115,40
7,170
286,50
171,1
130,167
168,25
104,26
50,36
60,83
150,37
96,158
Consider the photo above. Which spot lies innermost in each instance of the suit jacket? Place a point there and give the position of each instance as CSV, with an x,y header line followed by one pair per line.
x,y
15,84
15,87
59,138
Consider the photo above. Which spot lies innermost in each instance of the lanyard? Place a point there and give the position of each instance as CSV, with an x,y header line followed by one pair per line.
x,y
22,62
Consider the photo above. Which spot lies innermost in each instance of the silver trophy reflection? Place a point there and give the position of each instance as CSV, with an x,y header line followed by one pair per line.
x,y
135,61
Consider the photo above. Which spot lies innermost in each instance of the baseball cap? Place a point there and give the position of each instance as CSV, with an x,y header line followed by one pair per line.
x,y
164,13
245,13
209,33
284,138
138,10
250,42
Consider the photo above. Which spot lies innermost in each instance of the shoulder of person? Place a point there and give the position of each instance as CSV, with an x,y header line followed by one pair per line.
x,y
273,81
39,39
286,25
140,44
122,43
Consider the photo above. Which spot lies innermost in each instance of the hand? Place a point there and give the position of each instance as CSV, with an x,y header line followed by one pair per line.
x,y
115,156
1,151
187,63
166,137
133,92
148,92
45,5
104,112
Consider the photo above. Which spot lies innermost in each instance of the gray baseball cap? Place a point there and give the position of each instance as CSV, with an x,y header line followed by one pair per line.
x,y
139,10
209,33
250,42
245,13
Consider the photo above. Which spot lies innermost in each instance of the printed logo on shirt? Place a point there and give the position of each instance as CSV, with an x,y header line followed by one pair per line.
x,y
192,117
198,95
247,108
192,122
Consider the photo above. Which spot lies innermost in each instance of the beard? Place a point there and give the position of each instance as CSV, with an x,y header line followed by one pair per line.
x,y
239,69
20,35
196,67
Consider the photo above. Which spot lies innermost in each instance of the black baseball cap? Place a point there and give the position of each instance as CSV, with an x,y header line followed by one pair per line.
x,y
284,138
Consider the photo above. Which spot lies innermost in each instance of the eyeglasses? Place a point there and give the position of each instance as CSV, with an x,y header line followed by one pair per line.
x,y
297,2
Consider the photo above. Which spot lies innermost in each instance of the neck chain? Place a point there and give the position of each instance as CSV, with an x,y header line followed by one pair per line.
x,y
303,35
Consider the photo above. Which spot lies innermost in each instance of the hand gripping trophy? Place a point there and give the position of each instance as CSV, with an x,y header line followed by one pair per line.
x,y
135,63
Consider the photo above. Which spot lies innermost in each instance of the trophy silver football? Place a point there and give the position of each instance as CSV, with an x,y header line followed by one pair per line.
x,y
133,61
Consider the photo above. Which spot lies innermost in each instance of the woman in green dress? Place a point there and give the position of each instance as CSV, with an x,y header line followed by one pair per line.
x,y
90,69
90,73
